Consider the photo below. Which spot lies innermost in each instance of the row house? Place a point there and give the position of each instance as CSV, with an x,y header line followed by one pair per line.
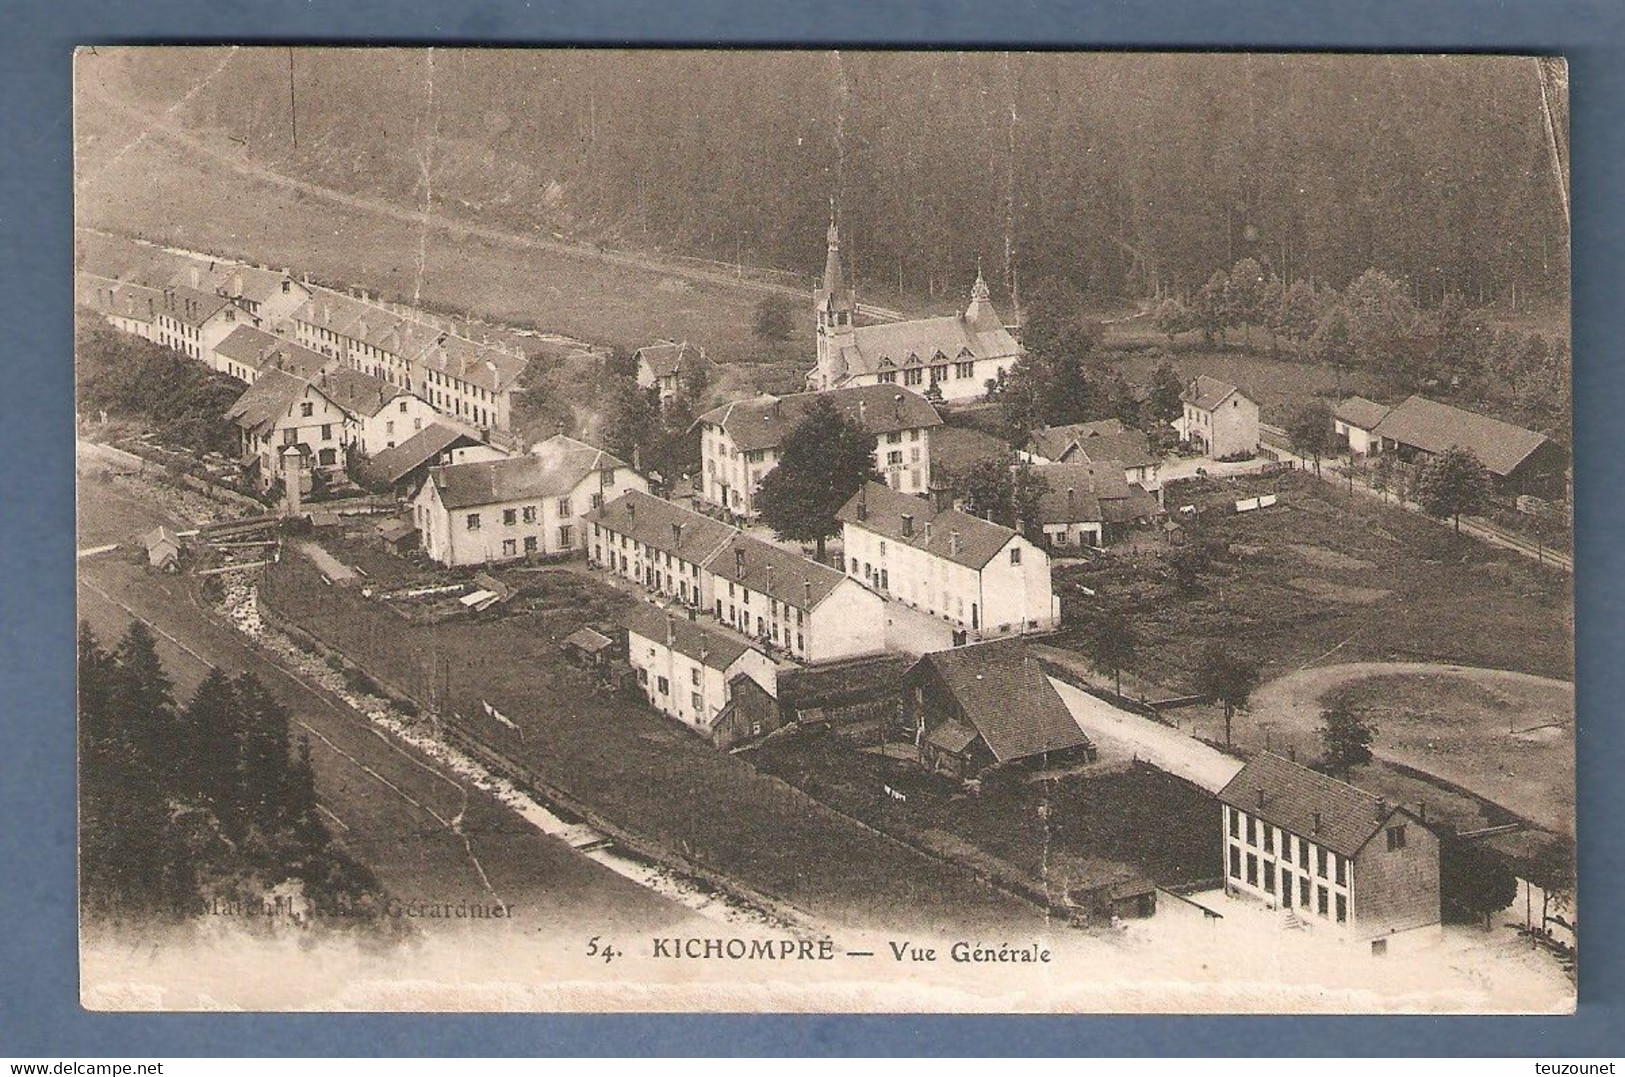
x,y
1089,504
792,603
522,506
248,351
280,411
127,307
1328,854
984,579
270,295
1518,460
655,543
402,468
468,380
194,323
960,355
695,673
741,442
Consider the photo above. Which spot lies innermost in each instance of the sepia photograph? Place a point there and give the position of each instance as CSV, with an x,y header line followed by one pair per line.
x,y
801,531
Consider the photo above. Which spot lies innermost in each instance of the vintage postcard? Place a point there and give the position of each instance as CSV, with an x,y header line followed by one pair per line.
x,y
732,530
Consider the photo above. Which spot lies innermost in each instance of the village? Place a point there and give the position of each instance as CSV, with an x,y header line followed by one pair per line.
x,y
934,638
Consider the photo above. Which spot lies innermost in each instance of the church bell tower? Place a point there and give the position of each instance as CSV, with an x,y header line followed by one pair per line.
x,y
835,304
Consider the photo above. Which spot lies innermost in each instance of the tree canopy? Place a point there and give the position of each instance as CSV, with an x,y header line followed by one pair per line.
x,y
1451,484
822,463
1228,679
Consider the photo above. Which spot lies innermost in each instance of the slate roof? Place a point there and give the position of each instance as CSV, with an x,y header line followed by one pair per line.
x,y
357,392
417,339
950,736
1206,393
588,639
774,571
554,472
978,333
1005,694
231,278
1359,412
247,345
272,395
119,298
1053,504
956,449
764,422
297,359
651,520
393,465
1435,428
978,540
1053,442
1129,448
470,361
665,358
1138,505
704,644
1293,794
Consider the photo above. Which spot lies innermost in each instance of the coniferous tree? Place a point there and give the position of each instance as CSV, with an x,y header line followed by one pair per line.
x,y
262,754
211,728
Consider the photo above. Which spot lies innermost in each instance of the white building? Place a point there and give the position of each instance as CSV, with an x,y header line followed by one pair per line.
x,y
129,308
1355,422
1089,504
383,415
281,411
741,442
270,295
1329,855
1097,443
985,579
790,603
193,322
663,367
1220,420
960,354
652,542
690,671
530,505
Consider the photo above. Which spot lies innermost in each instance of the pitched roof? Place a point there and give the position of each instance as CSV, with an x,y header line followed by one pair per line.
x,y
1435,428
663,525
1080,481
1292,796
247,345
117,298
272,395
956,449
297,359
588,639
1359,412
952,535
419,339
1207,393
230,278
553,468
484,365
795,580
927,341
1004,693
1138,505
1053,442
665,358
706,645
393,465
193,307
1129,448
358,393
765,421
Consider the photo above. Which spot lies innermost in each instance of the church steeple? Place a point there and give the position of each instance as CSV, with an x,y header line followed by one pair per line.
x,y
980,313
835,302
834,293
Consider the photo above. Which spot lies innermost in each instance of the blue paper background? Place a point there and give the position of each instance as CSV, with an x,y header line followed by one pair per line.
x,y
39,1011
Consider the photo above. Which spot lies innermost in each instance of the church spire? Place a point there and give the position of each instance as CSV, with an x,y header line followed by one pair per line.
x,y
980,313
834,284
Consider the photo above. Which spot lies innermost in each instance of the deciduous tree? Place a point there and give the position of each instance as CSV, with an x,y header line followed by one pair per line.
x,y
1227,679
825,459
1345,738
1451,484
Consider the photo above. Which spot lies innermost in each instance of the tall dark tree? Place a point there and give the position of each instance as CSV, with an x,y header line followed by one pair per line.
x,y
1474,882
1310,431
1452,484
1228,679
1345,738
264,725
1167,388
775,318
823,462
1113,643
210,729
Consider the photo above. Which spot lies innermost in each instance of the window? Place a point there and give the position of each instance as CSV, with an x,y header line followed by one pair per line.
x,y
1303,858
1252,831
1252,870
509,548
403,407
1342,870
694,675
1342,908
530,543
307,409
389,426
1269,838
1396,838
1235,822
1286,847
510,517
473,521
1235,861
597,501
566,536
964,370
1321,900
1269,876
1320,863
1015,559
290,436
1303,891
328,458
913,377
894,457
894,439
699,704
528,514
665,686
327,431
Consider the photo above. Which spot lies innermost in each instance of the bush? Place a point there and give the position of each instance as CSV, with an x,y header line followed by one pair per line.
x,y
361,684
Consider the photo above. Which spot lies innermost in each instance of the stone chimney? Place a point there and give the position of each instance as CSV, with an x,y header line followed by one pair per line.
x,y
1071,504
739,564
908,525
671,630
197,277
676,534
863,412
632,509
863,502
897,406
1260,792
768,587
1317,822
953,543
1382,808
806,592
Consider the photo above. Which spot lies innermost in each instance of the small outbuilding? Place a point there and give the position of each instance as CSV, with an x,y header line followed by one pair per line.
x,y
163,549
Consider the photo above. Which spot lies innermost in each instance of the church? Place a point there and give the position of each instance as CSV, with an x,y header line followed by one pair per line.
x,y
959,355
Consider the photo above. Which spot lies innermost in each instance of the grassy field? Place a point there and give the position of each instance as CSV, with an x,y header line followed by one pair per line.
x,y
1055,835
634,767
151,187
1279,385
1320,575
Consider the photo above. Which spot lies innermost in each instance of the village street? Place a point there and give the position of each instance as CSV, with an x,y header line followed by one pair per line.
x,y
429,836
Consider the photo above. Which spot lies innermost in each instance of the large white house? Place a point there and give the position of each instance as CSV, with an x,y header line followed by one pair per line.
x,y
194,323
791,603
1328,854
690,671
984,579
530,505
959,354
653,542
1097,443
1219,419
270,295
741,442
383,415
